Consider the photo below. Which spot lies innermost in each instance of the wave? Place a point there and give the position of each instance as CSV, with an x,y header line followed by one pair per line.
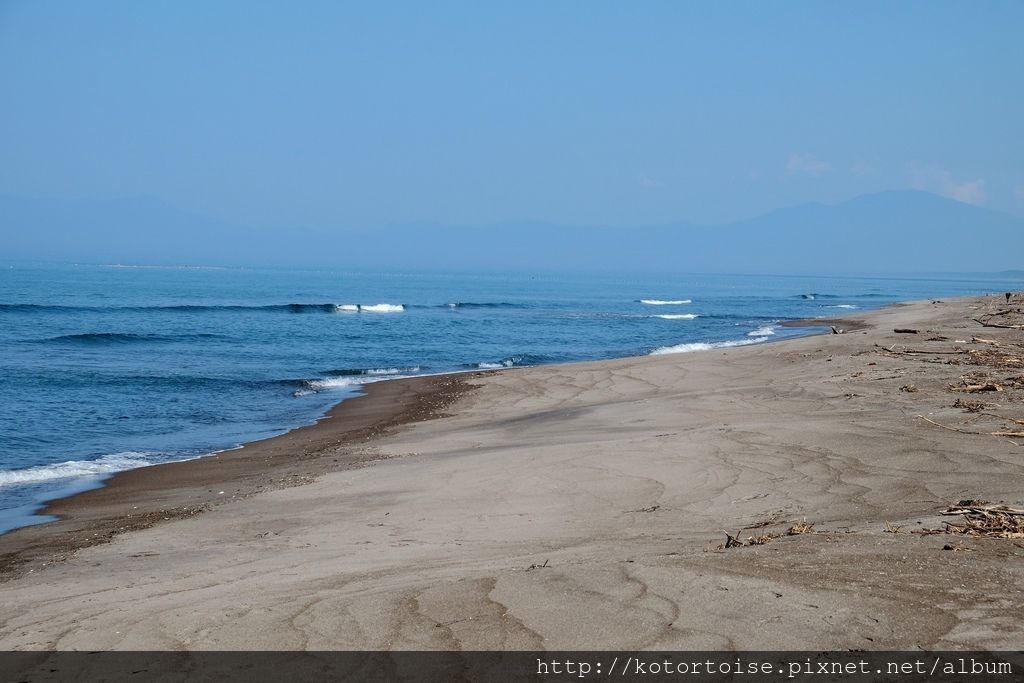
x,y
661,302
202,308
475,304
511,362
315,386
107,464
705,346
362,372
349,377
841,306
676,316
100,338
382,308
765,331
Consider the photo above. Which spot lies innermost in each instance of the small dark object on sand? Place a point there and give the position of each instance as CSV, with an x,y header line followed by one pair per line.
x,y
905,330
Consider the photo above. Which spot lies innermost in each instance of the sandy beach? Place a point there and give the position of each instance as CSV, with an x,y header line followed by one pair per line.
x,y
579,506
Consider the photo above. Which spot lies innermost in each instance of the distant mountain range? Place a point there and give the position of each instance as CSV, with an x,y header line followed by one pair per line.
x,y
889,232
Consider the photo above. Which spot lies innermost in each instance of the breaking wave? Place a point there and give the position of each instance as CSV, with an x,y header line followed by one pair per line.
x,y
676,316
662,302
511,362
108,464
350,377
705,346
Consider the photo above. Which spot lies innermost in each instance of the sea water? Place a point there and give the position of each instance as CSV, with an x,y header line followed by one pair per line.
x,y
106,368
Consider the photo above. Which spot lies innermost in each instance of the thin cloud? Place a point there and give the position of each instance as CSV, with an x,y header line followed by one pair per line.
x,y
807,164
862,168
647,181
933,178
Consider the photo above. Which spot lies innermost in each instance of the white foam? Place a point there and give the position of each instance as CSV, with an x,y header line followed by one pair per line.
x,y
391,371
315,386
369,308
705,346
382,308
765,331
660,302
841,306
507,363
107,464
677,316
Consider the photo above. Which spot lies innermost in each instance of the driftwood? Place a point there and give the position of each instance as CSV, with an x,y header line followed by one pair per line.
x,y
993,521
977,508
922,352
1006,435
1008,419
976,388
905,330
1003,327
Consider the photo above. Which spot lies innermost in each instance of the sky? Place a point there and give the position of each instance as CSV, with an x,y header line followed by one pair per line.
x,y
355,116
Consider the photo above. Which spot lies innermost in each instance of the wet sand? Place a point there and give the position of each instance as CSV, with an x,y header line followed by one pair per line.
x,y
138,499
576,506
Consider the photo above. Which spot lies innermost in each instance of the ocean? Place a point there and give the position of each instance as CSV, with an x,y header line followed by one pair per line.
x,y
106,368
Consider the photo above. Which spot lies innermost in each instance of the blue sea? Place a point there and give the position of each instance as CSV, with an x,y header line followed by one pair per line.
x,y
105,368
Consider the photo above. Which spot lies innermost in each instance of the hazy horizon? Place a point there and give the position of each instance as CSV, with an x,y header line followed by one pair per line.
x,y
269,125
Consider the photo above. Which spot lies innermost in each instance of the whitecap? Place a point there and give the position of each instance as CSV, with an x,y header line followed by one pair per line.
x,y
382,308
705,346
107,464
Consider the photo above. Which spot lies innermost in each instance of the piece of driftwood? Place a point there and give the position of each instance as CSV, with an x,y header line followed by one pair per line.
x,y
905,330
976,388
922,352
1000,326
1005,434
1008,419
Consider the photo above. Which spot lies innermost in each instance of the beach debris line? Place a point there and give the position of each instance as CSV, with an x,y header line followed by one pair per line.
x,y
735,541
983,520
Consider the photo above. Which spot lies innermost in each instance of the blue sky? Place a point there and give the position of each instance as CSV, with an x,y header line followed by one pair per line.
x,y
360,115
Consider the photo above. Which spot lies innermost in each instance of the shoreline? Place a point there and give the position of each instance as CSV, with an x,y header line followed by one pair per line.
x,y
582,505
141,497
61,506
128,509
